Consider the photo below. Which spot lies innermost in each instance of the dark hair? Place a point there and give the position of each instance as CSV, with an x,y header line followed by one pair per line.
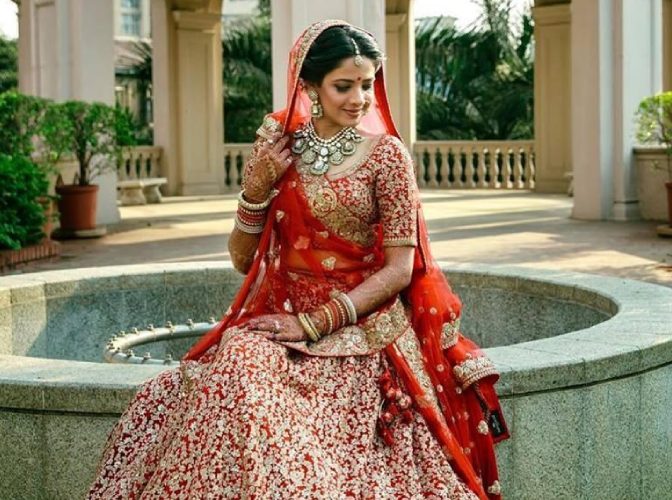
x,y
334,45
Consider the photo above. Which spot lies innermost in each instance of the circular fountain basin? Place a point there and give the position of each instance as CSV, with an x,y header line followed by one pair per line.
x,y
585,365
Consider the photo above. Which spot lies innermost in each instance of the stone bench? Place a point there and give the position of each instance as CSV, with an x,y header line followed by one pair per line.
x,y
140,191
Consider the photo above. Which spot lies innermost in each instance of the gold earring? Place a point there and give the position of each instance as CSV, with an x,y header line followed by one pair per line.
x,y
316,107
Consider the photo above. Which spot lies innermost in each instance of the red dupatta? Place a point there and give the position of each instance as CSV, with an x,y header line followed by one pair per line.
x,y
469,420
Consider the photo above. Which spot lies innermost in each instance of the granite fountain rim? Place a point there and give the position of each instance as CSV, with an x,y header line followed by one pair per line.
x,y
638,336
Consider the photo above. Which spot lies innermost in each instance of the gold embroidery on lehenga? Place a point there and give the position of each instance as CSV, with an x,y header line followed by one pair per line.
x,y
410,348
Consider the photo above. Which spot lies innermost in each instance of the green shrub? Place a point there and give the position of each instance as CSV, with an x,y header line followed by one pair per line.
x,y
20,122
22,182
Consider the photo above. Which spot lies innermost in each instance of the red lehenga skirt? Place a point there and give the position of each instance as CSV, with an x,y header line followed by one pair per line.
x,y
254,419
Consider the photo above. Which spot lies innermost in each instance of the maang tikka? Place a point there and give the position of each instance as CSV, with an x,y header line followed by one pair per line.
x,y
315,107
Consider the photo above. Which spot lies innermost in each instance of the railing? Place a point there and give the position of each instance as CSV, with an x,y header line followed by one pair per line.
x,y
475,164
440,164
235,156
140,162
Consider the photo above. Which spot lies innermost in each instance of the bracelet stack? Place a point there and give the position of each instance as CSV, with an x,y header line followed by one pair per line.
x,y
251,217
337,313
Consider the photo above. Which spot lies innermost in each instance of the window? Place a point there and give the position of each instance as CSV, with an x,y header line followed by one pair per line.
x,y
130,17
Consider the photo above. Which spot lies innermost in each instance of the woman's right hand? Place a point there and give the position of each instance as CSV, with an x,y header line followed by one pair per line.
x,y
272,161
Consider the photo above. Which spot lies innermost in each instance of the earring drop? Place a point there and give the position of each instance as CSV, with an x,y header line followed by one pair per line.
x,y
316,107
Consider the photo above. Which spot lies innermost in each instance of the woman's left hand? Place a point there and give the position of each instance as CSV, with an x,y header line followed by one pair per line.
x,y
285,327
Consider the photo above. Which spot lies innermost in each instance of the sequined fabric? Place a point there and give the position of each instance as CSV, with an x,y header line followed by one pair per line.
x,y
256,420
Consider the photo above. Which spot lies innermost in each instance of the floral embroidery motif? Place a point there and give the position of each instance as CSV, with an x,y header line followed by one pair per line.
x,y
473,369
450,334
269,128
495,488
329,263
482,427
410,348
279,215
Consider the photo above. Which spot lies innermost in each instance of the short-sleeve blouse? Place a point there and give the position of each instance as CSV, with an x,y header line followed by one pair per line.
x,y
380,189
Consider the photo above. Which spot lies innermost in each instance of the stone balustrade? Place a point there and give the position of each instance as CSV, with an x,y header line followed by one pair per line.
x,y
475,164
140,162
440,164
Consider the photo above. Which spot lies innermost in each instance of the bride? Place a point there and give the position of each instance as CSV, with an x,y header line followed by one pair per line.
x,y
339,371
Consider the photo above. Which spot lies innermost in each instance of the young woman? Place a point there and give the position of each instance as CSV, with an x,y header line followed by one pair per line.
x,y
339,371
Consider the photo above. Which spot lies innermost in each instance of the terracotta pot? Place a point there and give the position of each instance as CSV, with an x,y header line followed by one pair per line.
x,y
668,185
77,206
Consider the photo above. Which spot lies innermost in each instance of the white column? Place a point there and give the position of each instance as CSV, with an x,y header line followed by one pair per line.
x,y
667,44
400,68
616,61
187,86
66,52
552,98
291,17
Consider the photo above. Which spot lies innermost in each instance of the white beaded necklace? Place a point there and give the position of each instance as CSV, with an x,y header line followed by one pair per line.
x,y
318,153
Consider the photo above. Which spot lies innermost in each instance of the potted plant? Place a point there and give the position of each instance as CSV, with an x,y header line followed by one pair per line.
x,y
654,163
88,132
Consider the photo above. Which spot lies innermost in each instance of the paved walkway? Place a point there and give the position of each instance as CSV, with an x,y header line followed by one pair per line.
x,y
493,227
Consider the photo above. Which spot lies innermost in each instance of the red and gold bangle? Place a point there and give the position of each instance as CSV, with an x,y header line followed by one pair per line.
x,y
341,312
251,218
349,307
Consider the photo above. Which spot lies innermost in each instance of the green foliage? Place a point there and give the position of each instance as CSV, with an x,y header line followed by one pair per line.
x,y
94,133
248,83
478,83
22,182
8,64
20,123
139,68
654,123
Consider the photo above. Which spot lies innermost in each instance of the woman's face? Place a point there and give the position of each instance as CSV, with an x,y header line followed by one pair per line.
x,y
346,93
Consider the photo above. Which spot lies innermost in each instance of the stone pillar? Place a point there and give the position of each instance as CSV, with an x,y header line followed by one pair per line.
x,y
66,52
552,97
616,61
667,44
400,67
187,86
291,17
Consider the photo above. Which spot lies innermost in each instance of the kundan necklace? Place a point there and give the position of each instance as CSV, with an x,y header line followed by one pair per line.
x,y
318,154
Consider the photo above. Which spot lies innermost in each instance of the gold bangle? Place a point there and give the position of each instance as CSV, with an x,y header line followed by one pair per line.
x,y
308,326
254,207
330,319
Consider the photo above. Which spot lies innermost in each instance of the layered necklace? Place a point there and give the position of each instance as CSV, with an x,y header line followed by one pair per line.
x,y
319,154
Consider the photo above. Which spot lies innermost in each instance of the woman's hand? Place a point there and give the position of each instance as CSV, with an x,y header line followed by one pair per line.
x,y
271,163
285,327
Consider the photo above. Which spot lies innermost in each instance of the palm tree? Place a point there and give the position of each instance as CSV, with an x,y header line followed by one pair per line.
x,y
477,83
248,82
